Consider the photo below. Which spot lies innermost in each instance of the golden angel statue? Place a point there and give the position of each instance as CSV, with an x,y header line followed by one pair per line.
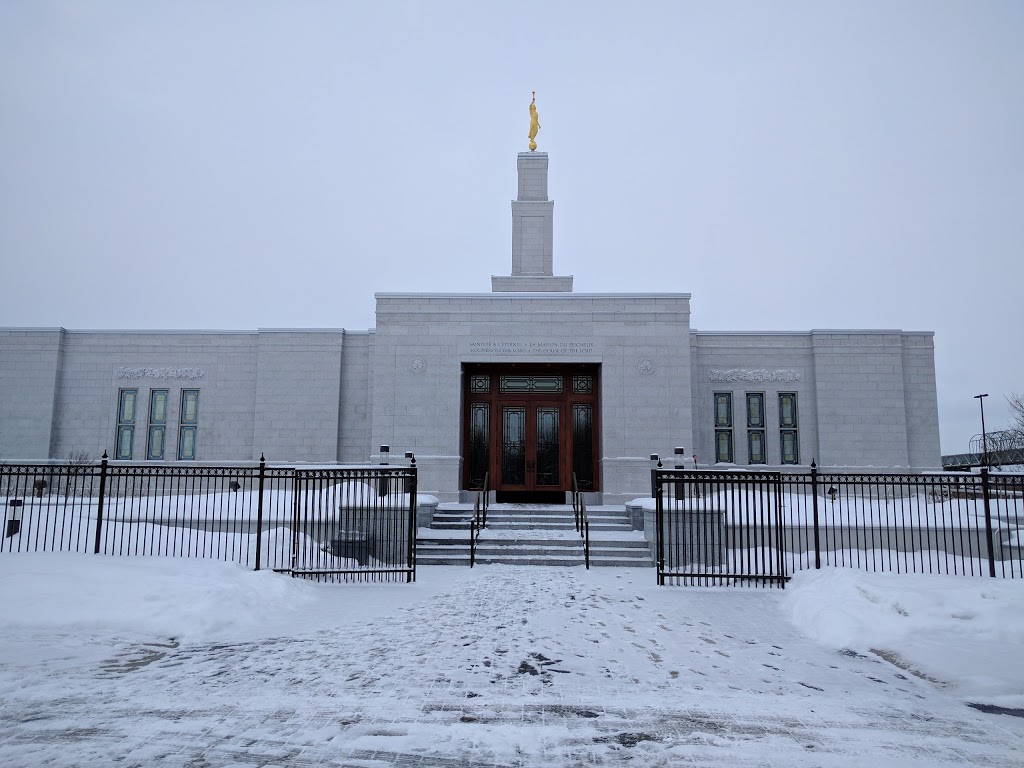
x,y
534,123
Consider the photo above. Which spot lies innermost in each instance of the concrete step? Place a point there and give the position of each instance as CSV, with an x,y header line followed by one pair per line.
x,y
520,534
495,526
535,552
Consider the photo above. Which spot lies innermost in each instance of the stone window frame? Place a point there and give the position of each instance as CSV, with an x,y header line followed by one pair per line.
x,y
789,429
126,416
756,428
188,425
724,448
157,424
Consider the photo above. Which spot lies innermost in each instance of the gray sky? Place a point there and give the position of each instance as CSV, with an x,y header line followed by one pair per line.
x,y
793,165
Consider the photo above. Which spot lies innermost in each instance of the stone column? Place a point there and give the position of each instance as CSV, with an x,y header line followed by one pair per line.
x,y
532,231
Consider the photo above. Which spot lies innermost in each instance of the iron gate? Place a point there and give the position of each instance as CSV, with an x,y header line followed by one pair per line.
x,y
719,528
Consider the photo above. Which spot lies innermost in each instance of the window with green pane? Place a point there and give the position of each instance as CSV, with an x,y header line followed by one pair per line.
x,y
790,447
723,409
755,447
787,409
157,424
127,401
755,410
723,445
189,424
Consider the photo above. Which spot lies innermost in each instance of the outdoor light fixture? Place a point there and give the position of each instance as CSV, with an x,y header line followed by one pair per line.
x,y
984,441
411,457
832,492
385,450
680,455
657,458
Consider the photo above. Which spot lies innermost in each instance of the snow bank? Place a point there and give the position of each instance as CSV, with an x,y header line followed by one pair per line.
x,y
189,599
163,597
965,632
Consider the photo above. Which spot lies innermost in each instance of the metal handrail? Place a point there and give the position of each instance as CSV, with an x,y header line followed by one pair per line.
x,y
474,531
579,508
479,521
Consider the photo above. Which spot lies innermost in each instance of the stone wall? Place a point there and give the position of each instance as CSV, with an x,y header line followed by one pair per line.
x,y
298,381
865,398
30,361
422,341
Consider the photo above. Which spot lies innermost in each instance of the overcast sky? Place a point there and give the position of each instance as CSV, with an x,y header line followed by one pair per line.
x,y
793,165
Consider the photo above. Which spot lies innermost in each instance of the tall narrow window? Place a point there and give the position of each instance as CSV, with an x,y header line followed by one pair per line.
x,y
583,444
755,428
789,442
127,399
479,442
189,424
723,427
157,424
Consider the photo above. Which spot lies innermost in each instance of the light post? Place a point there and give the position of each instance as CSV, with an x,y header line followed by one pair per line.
x,y
984,439
382,481
680,456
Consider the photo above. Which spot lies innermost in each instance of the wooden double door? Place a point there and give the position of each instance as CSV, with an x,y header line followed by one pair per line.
x,y
530,428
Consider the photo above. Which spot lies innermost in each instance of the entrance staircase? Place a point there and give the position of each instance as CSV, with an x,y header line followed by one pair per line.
x,y
532,534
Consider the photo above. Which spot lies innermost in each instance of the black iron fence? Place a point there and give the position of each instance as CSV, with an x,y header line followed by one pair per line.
x,y
328,524
736,527
718,527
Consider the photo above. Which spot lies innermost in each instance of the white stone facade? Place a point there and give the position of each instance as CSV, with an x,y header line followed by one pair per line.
x,y
865,397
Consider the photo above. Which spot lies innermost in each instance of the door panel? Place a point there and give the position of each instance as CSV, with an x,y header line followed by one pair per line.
x,y
546,451
531,449
530,426
513,446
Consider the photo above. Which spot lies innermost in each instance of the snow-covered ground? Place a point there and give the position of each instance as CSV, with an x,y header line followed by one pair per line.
x,y
163,661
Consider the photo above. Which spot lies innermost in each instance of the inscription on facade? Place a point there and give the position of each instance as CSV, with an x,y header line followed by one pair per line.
x,y
531,347
160,373
755,374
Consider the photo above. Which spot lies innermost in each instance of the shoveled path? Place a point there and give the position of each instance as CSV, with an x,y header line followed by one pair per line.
x,y
511,667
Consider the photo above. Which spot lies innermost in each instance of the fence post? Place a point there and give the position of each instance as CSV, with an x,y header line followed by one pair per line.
x,y
412,523
780,536
259,512
988,523
659,513
295,521
814,497
99,506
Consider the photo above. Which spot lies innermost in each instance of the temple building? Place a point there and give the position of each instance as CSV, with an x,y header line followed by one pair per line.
x,y
528,385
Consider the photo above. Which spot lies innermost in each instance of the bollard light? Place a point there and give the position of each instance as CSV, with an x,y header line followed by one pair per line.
x,y
385,450
680,456
411,457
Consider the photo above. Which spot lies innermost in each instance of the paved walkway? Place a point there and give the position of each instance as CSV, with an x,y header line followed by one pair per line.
x,y
515,667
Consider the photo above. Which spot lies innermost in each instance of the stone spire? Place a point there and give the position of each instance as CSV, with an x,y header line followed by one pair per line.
x,y
532,226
